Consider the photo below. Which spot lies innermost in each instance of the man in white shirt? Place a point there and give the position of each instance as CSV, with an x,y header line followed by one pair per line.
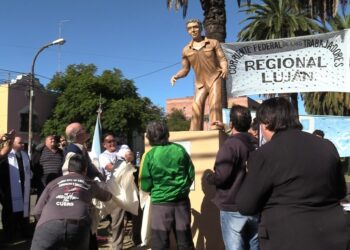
x,y
108,160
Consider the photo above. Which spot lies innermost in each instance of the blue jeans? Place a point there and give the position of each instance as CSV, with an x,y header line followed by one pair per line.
x,y
238,231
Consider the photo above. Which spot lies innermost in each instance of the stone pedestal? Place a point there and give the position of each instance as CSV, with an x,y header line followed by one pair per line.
x,y
202,147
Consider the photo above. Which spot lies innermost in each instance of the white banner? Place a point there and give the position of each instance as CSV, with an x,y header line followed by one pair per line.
x,y
318,63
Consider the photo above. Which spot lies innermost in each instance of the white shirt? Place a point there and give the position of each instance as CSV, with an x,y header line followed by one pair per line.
x,y
110,157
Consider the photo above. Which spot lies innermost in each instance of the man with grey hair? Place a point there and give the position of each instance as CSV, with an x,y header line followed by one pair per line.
x,y
77,138
210,67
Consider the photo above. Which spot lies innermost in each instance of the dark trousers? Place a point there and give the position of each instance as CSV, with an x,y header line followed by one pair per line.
x,y
14,223
56,234
172,216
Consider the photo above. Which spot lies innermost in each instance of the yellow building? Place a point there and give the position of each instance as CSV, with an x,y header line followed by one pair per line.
x,y
14,107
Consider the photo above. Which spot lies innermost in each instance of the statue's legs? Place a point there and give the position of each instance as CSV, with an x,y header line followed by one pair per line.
x,y
215,103
198,109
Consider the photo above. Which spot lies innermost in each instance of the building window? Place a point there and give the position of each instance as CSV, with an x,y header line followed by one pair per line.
x,y
24,122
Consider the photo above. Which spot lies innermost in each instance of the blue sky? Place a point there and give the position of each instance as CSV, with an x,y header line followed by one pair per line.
x,y
136,36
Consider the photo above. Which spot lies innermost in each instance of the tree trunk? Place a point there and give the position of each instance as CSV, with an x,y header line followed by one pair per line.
x,y
214,19
215,28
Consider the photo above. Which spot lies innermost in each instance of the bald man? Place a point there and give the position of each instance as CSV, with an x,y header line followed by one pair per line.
x,y
77,137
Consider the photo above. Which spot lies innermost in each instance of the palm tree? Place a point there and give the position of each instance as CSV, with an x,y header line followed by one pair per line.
x,y
329,103
215,13
277,19
337,23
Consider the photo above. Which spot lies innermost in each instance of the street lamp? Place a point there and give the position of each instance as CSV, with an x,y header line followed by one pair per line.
x,y
59,41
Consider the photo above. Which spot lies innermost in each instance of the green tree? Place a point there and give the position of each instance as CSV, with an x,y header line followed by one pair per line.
x,y
177,120
80,89
329,103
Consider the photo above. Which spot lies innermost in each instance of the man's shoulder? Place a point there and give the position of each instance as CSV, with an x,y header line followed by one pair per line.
x,y
186,49
72,148
242,140
211,40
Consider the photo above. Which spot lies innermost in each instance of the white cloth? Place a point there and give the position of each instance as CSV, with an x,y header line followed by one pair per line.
x,y
124,191
145,203
122,150
66,162
123,187
19,201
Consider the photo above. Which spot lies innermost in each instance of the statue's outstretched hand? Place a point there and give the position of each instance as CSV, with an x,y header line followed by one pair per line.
x,y
173,80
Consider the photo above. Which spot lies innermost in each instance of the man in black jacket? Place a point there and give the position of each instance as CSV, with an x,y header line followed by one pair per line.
x,y
296,182
238,231
77,137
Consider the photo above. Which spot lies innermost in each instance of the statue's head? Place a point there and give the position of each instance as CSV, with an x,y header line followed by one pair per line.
x,y
195,21
194,27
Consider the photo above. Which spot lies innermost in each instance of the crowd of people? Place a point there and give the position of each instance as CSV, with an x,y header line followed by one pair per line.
x,y
284,194
63,177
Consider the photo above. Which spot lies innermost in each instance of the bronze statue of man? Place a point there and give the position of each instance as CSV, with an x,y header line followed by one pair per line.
x,y
210,67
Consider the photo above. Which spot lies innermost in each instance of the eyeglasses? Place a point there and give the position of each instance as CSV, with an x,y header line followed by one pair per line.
x,y
110,141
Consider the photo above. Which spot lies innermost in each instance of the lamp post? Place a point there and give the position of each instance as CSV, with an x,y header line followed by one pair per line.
x,y
59,41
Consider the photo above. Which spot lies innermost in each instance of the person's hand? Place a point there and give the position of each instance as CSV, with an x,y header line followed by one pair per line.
x,y
173,80
129,156
6,143
206,173
219,125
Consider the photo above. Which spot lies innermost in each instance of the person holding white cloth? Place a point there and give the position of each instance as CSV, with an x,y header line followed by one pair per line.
x,y
107,161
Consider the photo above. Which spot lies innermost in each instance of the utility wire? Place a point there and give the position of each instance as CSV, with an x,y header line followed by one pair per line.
x,y
155,71
25,73
134,78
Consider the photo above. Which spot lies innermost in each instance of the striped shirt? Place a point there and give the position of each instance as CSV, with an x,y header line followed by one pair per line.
x,y
51,161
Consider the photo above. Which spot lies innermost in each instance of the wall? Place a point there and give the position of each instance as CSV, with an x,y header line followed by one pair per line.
x,y
4,88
